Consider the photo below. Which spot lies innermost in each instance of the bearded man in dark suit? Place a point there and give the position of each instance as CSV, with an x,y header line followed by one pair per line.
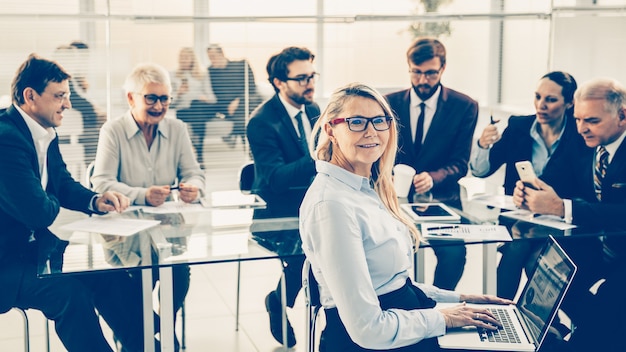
x,y
436,128
279,133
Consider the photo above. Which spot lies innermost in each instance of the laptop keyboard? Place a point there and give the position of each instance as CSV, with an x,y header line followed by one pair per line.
x,y
505,334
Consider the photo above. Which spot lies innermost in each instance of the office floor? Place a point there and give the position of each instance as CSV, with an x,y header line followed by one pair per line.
x,y
212,296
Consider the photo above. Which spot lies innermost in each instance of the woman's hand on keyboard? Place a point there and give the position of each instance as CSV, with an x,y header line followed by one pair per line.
x,y
462,315
491,299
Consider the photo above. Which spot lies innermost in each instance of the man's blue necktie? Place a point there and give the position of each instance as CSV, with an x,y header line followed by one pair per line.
x,y
302,133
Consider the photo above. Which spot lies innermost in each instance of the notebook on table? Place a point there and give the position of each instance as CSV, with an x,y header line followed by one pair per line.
x,y
527,322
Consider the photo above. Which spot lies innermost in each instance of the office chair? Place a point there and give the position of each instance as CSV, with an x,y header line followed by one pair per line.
x,y
22,312
312,303
88,173
246,178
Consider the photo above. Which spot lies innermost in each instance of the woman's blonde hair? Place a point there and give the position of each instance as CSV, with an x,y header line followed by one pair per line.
x,y
382,168
196,71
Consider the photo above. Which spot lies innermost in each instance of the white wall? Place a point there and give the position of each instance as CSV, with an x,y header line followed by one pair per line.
x,y
591,46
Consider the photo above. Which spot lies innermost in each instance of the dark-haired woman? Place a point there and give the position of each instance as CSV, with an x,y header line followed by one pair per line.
x,y
550,141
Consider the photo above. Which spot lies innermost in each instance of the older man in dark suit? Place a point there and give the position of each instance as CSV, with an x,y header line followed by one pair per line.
x,y
436,129
279,133
600,113
34,185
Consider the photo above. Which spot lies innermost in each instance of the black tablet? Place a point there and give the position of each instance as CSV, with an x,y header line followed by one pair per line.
x,y
421,212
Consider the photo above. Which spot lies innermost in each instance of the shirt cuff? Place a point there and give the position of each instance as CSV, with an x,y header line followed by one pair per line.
x,y
93,207
567,211
479,147
92,203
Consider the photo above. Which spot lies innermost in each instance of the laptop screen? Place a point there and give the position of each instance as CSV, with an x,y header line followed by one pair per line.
x,y
545,290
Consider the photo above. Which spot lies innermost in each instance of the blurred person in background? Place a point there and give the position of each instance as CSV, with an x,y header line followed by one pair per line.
x,y
193,99
234,85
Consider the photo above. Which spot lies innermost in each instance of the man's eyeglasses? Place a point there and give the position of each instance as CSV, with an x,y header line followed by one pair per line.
x,y
303,80
430,74
152,99
359,123
60,97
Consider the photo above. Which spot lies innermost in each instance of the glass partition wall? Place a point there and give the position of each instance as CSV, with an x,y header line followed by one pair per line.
x,y
497,50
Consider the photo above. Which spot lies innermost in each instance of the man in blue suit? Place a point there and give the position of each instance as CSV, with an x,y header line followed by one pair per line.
x,y
436,129
279,133
34,185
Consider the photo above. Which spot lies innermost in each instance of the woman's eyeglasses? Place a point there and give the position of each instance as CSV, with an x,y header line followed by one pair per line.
x,y
359,123
152,99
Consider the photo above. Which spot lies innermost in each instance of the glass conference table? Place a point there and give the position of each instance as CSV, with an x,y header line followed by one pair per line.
x,y
186,235
193,235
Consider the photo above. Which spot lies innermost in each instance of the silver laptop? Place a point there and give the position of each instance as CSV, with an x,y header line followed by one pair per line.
x,y
525,324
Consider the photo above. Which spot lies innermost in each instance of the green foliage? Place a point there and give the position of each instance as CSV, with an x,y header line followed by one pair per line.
x,y
430,29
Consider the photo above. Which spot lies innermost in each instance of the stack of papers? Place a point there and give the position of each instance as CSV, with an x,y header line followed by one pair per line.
x,y
443,231
545,220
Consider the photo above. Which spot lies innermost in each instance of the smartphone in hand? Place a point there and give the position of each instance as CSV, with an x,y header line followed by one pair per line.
x,y
526,173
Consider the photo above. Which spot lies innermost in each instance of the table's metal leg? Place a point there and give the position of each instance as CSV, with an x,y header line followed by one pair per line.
x,y
148,315
166,311
283,303
238,292
418,265
490,265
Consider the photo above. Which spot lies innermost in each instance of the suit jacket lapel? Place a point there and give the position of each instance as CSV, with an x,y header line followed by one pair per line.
x,y
285,119
16,118
617,167
438,124
405,126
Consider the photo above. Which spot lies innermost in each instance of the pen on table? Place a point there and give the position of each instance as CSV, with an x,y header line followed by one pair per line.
x,y
443,227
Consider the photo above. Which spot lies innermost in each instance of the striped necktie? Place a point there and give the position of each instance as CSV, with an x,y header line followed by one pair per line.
x,y
599,170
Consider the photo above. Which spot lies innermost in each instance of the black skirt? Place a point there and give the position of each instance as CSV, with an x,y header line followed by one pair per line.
x,y
336,338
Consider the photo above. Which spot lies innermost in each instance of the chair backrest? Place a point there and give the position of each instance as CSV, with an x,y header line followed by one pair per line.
x,y
88,174
312,303
246,178
310,284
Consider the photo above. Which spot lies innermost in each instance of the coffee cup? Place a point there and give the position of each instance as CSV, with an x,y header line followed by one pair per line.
x,y
403,179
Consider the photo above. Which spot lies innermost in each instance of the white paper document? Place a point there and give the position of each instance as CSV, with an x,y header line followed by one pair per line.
x,y
545,220
235,199
111,225
496,201
444,231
